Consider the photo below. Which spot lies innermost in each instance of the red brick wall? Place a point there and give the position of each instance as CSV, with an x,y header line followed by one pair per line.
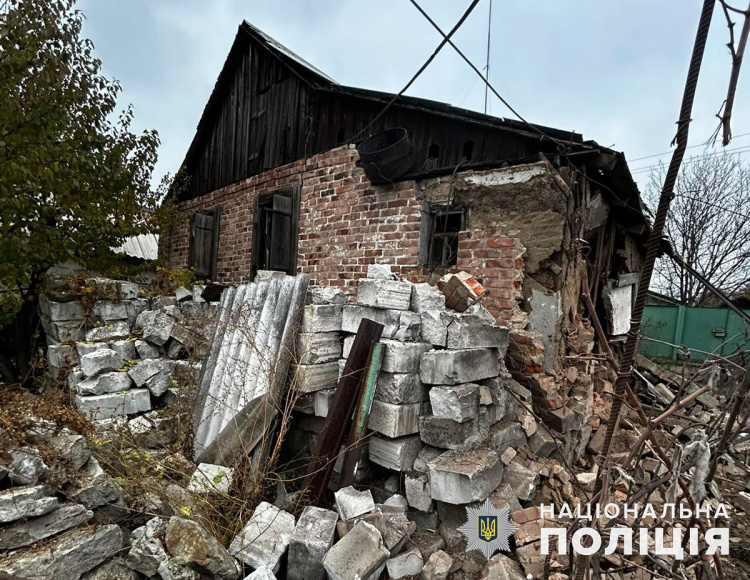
x,y
346,224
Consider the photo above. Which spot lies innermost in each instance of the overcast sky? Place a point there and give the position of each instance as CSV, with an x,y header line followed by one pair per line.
x,y
613,71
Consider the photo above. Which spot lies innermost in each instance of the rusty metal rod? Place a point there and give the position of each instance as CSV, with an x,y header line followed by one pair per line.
x,y
653,245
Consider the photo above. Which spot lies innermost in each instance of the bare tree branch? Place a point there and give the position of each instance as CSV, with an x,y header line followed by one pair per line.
x,y
708,226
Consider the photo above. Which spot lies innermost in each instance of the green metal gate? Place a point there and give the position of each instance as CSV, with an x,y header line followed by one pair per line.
x,y
703,330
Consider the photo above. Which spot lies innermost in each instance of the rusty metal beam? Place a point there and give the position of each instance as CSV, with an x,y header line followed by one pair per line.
x,y
339,419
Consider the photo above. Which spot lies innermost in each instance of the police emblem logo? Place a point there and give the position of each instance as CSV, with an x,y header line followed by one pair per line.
x,y
487,529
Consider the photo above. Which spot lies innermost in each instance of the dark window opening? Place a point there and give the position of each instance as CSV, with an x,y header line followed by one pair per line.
x,y
275,232
439,235
468,150
203,247
433,152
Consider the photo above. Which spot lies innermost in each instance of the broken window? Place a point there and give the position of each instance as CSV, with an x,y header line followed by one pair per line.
x,y
275,231
439,234
203,247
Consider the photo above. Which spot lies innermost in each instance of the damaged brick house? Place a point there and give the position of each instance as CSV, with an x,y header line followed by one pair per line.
x,y
281,175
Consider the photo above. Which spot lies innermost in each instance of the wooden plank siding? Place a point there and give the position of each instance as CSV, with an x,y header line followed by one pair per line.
x,y
268,110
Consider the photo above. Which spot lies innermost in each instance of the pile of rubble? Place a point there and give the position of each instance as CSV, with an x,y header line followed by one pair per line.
x,y
449,423
122,357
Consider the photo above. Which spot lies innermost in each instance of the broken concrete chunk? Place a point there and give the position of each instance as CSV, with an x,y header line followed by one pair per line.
x,y
464,477
408,563
25,467
93,487
114,404
103,383
176,569
146,555
125,348
395,420
146,350
351,503
208,478
472,331
398,388
105,312
447,434
191,542
506,435
542,444
435,326
522,480
401,357
353,315
26,502
396,454
71,447
263,573
109,332
322,402
386,294
61,311
327,295
409,327
318,347
452,367
380,272
157,326
312,538
62,355
426,298
322,318
265,538
358,555
67,556
417,488
182,294
502,567
437,567
85,348
101,361
427,454
312,378
459,403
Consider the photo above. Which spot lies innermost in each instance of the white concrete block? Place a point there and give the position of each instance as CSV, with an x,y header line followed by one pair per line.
x,y
463,477
387,294
114,404
397,454
452,367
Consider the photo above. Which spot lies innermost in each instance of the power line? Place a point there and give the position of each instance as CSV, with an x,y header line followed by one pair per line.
x,y
534,128
445,40
487,68
696,158
669,152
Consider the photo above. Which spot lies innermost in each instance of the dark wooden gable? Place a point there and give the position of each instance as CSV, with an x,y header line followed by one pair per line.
x,y
254,120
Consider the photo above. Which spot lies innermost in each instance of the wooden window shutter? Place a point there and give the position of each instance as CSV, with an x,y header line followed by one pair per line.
x,y
425,234
280,241
275,231
204,243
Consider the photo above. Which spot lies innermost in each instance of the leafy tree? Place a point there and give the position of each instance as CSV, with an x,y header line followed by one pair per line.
x,y
709,225
74,178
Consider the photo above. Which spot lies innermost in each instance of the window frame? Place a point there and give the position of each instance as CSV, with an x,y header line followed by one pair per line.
x,y
427,234
261,201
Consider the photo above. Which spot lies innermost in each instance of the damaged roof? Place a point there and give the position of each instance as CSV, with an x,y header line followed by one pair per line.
x,y
270,107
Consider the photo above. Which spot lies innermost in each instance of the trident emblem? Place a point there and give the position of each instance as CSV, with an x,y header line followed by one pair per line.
x,y
488,528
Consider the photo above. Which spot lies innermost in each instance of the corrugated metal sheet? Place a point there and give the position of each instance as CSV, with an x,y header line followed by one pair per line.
x,y
143,246
245,373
